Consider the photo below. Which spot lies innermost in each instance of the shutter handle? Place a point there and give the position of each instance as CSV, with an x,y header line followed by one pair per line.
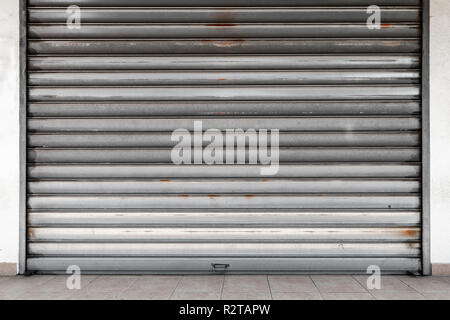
x,y
219,267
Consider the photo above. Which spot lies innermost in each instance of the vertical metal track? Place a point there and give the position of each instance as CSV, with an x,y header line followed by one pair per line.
x,y
426,165
23,139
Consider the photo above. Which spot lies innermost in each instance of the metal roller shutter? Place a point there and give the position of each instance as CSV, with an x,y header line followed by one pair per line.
x,y
103,101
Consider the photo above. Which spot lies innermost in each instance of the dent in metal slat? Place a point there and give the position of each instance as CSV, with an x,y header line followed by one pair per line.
x,y
176,31
223,15
216,3
169,78
285,235
226,249
319,201
355,170
221,108
165,155
261,186
282,124
272,218
163,140
230,46
246,62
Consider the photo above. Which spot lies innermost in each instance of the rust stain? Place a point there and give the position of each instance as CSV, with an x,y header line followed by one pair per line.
x,y
223,79
410,233
165,180
249,196
386,25
220,113
265,180
30,233
184,196
390,43
220,25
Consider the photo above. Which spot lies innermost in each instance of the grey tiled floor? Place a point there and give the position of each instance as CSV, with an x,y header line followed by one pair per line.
x,y
225,287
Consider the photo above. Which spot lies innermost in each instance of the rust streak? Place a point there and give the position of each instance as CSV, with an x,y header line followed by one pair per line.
x,y
183,195
30,233
213,196
410,233
390,43
386,25
249,196
165,180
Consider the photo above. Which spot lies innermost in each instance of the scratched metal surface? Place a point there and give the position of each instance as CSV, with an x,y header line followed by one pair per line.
x,y
104,99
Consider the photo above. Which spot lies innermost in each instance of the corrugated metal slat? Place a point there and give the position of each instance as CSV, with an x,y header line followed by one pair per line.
x,y
303,170
237,265
224,15
216,3
223,108
216,201
256,62
225,249
249,218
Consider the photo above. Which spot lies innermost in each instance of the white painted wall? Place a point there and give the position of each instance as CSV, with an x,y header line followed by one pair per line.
x,y
9,130
440,130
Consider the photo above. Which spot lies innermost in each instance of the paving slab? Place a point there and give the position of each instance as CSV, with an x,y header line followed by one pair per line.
x,y
115,284
37,294
94,295
246,284
388,283
296,296
396,295
230,287
437,296
292,284
196,295
142,294
190,284
18,285
347,296
427,284
59,283
156,283
338,284
255,295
